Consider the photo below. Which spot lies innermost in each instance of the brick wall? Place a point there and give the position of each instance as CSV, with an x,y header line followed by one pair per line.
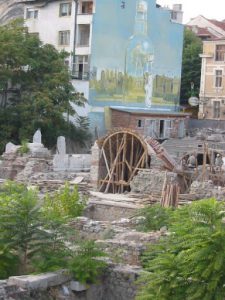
x,y
120,119
134,120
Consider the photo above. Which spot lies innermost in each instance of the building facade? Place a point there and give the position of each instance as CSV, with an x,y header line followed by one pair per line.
x,y
212,89
207,29
125,54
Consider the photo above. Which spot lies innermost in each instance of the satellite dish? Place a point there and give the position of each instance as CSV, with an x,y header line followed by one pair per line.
x,y
193,101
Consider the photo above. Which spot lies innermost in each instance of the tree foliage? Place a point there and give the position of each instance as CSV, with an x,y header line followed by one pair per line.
x,y
35,89
36,239
191,66
189,263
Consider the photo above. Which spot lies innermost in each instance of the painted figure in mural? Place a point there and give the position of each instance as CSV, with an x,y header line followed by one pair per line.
x,y
148,90
140,52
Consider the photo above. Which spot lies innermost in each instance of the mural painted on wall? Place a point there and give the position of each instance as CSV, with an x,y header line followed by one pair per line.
x,y
136,55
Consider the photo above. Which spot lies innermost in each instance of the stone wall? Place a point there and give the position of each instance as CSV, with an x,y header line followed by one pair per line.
x,y
117,283
151,181
107,212
72,162
207,189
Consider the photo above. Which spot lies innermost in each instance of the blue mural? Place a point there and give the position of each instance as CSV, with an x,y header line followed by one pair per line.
x,y
136,55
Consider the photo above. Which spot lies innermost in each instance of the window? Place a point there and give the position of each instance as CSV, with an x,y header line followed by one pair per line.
x,y
64,37
87,7
218,78
216,109
139,123
220,51
81,67
174,15
83,35
31,13
34,34
65,9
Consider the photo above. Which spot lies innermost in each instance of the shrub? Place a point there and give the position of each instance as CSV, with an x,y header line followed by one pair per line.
x,y
8,262
64,204
189,263
20,223
23,148
85,264
34,240
155,217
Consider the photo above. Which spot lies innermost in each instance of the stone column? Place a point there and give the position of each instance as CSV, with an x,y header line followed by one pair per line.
x,y
94,173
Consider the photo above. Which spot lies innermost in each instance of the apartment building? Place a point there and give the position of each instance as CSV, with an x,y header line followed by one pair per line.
x,y
212,89
123,55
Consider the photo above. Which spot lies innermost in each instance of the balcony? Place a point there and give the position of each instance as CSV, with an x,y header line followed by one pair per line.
x,y
80,75
83,35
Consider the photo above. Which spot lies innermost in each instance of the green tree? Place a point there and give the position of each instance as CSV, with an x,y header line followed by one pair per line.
x,y
188,263
20,223
35,89
33,239
191,66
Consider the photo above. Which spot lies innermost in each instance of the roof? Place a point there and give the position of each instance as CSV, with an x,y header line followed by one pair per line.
x,y
145,111
219,24
202,32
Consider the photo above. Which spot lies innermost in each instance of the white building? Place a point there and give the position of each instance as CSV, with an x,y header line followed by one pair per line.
x,y
176,13
53,21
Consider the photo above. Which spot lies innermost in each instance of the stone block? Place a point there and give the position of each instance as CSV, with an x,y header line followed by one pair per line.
x,y
41,281
77,286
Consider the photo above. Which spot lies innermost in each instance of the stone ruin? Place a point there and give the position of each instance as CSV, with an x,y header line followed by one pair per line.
x,y
70,162
39,164
109,218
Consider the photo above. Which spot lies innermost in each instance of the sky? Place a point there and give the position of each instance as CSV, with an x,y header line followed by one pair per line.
x,y
211,9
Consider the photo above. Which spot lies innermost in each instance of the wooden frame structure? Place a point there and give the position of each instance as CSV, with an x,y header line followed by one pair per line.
x,y
123,153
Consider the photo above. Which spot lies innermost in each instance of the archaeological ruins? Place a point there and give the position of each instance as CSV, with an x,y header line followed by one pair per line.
x,y
124,172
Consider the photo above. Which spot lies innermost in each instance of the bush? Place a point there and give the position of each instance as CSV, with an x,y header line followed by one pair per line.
x,y
155,217
189,263
64,204
20,223
36,240
85,264
24,147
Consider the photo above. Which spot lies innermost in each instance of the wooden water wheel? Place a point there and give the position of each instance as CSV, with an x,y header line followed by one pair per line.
x,y
123,153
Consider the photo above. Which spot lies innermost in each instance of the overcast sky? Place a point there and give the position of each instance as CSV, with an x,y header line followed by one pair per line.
x,y
211,9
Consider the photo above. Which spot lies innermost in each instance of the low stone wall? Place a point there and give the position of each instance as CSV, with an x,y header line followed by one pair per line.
x,y
107,212
117,283
72,162
151,180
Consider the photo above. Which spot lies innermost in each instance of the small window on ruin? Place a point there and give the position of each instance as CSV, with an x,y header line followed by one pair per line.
x,y
139,123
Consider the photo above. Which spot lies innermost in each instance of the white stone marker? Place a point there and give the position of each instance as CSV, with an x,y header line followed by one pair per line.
x,y
37,137
61,145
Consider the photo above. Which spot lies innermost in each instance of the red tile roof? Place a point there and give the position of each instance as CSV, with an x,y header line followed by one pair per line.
x,y
202,32
220,24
